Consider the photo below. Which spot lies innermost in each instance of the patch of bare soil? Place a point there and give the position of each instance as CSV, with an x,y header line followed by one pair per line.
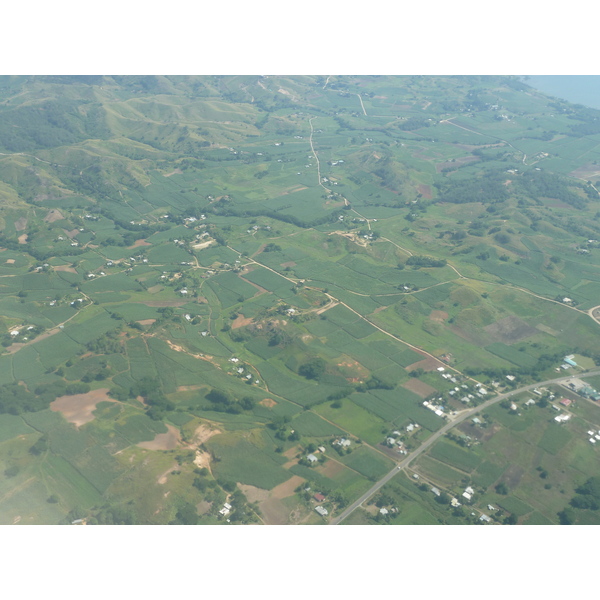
x,y
203,507
512,476
286,489
189,388
510,330
203,245
140,243
240,321
268,402
22,239
53,215
203,433
79,408
71,234
586,171
146,321
21,223
331,468
425,191
457,163
10,261
427,364
419,387
291,453
274,512
65,268
163,441
296,188
439,316
175,172
253,493
202,459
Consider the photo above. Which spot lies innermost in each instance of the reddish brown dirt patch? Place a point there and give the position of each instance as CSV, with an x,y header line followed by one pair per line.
x,y
427,364
53,215
268,402
439,316
20,224
10,261
79,408
331,468
418,387
140,243
146,321
240,321
163,441
189,388
274,512
290,263
23,239
253,493
291,452
286,489
425,191
65,268
457,163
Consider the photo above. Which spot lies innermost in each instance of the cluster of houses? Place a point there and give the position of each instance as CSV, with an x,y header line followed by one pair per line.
x,y
395,442
225,510
582,388
436,408
318,497
594,436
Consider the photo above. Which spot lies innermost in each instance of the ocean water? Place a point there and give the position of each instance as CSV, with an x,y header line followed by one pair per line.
x,y
579,89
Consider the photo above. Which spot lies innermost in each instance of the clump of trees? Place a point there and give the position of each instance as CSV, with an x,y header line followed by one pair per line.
x,y
313,369
223,401
425,261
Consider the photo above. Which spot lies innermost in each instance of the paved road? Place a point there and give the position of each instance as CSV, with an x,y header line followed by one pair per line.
x,y
432,439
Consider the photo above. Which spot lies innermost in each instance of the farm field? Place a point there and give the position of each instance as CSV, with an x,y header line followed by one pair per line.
x,y
267,291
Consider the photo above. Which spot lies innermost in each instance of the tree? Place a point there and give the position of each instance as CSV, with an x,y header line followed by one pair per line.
x,y
313,369
502,488
187,515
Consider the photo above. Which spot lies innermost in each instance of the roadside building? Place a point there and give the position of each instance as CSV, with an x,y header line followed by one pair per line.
x,y
322,511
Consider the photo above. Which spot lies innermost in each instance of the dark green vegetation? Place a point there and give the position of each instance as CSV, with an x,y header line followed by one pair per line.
x,y
206,281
